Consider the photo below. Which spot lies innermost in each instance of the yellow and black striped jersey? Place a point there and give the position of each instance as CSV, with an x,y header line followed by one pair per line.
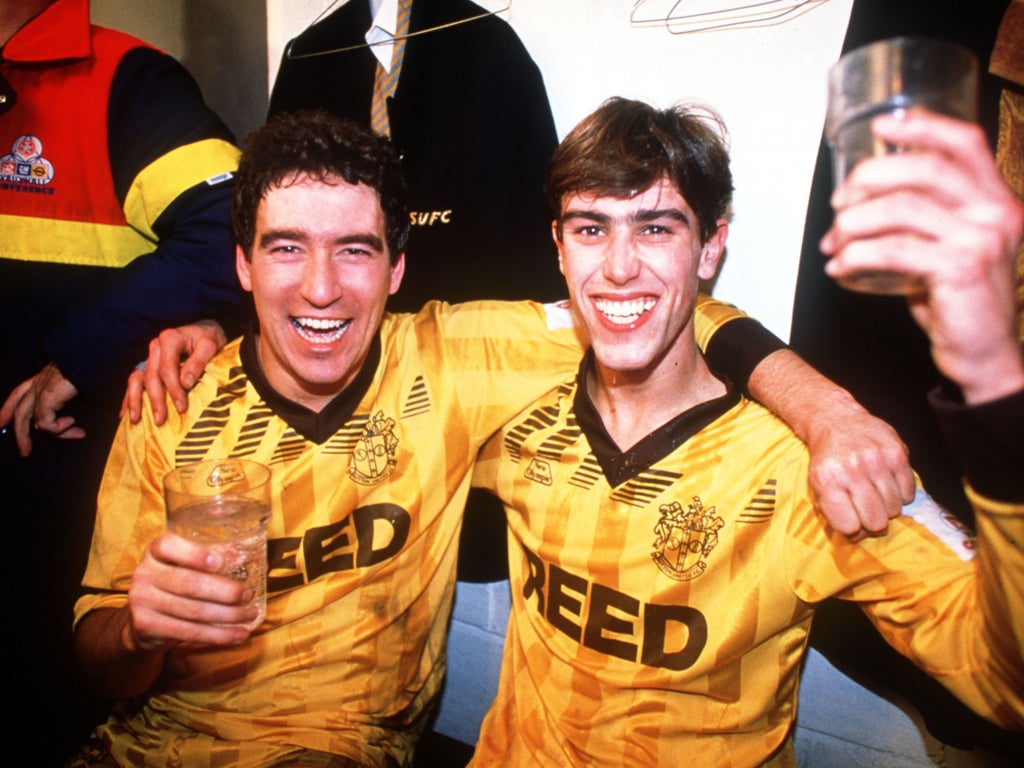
x,y
662,595
367,501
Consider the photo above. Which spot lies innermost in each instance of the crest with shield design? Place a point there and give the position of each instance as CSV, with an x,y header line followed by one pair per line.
x,y
684,537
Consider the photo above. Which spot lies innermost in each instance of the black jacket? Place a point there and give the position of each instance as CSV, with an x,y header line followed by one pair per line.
x,y
472,120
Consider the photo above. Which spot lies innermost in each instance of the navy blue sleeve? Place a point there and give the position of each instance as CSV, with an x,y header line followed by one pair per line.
x,y
987,440
155,107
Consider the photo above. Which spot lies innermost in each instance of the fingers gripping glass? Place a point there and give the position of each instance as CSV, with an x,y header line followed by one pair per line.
x,y
891,76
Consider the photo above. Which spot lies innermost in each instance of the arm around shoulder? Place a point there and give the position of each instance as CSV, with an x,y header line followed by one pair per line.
x,y
860,471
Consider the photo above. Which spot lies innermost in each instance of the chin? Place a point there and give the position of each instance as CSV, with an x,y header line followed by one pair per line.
x,y
619,357
630,366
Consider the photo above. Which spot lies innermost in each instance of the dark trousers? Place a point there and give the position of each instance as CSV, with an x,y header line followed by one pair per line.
x,y
49,503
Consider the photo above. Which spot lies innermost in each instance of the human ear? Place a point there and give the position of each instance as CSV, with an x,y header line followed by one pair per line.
x,y
712,251
242,268
556,235
397,273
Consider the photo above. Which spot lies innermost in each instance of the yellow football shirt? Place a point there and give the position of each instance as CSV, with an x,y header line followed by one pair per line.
x,y
662,595
367,503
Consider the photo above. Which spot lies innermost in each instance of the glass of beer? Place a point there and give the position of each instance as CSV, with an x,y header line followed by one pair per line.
x,y
225,504
892,76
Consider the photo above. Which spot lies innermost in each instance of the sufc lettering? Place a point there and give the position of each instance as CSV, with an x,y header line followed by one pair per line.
x,y
429,218
612,622
368,536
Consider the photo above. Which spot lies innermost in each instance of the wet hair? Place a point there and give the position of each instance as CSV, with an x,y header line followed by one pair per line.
x,y
625,146
324,147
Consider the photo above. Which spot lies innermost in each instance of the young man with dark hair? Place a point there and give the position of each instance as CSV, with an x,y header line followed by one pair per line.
x,y
361,553
666,556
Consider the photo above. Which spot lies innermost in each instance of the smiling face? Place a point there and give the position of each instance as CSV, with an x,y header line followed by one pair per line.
x,y
320,275
632,267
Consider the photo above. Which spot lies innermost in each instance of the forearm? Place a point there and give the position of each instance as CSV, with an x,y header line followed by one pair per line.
x,y
761,363
859,467
795,392
109,664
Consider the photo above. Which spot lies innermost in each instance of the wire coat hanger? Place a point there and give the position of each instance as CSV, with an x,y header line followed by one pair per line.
x,y
733,15
288,49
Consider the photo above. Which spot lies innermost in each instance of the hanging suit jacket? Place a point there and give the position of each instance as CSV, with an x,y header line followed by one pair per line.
x,y
472,120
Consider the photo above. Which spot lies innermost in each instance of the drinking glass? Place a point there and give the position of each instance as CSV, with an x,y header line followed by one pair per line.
x,y
892,76
225,504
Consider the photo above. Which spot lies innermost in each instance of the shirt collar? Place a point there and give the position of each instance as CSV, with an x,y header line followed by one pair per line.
x,y
381,34
622,465
317,427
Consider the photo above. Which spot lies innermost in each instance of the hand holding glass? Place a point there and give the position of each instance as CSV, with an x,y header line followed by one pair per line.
x,y
225,505
892,76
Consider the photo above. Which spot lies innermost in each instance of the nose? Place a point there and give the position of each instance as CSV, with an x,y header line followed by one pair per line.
x,y
321,284
621,263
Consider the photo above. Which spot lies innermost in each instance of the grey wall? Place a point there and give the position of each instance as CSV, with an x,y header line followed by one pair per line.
x,y
223,43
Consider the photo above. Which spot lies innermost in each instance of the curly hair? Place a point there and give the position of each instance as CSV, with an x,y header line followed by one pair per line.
x,y
323,147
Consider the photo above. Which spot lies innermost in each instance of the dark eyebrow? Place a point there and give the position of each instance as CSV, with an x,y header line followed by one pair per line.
x,y
640,217
268,237
670,213
368,239
598,218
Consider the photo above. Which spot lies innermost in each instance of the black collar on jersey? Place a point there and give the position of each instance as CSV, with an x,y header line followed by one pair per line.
x,y
315,427
620,466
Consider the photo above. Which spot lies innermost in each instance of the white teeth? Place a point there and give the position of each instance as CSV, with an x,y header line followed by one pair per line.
x,y
320,329
623,312
320,324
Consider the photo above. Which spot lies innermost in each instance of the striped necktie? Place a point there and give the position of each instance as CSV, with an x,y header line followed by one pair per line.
x,y
385,82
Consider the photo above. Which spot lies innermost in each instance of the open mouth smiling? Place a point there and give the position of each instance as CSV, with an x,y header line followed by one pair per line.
x,y
320,330
624,312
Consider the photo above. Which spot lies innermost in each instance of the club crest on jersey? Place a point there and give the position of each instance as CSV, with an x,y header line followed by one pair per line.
x,y
374,456
684,538
539,472
26,163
